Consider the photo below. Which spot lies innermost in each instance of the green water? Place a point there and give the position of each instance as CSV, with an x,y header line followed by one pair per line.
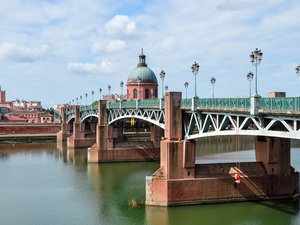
x,y
45,185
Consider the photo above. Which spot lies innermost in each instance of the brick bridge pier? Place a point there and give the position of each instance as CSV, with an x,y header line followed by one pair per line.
x,y
180,181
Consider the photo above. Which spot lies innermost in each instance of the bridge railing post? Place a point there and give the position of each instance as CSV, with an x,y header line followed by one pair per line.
x,y
194,103
161,103
136,103
254,104
120,104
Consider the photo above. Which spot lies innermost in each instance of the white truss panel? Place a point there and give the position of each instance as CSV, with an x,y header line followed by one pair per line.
x,y
250,125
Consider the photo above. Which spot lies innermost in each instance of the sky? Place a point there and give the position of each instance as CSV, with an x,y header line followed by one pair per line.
x,y
58,50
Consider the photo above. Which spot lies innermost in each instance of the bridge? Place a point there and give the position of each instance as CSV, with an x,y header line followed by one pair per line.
x,y
179,180
276,117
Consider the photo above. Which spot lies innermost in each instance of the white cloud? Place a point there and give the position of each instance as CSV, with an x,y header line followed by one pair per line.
x,y
120,25
97,47
90,68
115,45
111,46
16,53
169,42
236,5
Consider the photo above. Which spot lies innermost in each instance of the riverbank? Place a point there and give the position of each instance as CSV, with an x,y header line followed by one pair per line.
x,y
26,138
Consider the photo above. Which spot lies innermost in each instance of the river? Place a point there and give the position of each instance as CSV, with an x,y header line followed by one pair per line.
x,y
42,184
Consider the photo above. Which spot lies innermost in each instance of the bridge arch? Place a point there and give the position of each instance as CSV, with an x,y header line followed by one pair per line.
x,y
71,119
156,117
157,123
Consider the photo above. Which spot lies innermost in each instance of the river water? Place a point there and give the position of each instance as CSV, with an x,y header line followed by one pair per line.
x,y
42,184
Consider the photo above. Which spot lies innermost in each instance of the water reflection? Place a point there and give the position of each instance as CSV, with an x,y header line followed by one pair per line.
x,y
52,184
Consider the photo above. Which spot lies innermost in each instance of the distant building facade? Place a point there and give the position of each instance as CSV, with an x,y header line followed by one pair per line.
x,y
22,111
2,96
276,94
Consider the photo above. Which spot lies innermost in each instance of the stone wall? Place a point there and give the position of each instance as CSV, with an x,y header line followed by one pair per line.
x,y
9,129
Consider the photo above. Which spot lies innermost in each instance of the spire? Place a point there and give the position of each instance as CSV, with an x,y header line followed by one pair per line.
x,y
142,59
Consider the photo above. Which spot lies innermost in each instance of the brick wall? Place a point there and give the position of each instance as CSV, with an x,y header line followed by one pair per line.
x,y
29,128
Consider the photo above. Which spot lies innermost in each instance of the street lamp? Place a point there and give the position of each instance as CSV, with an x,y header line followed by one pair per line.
x,y
166,88
76,101
256,57
80,100
186,85
86,99
162,77
250,76
92,97
139,81
298,74
213,82
108,87
121,85
100,92
195,69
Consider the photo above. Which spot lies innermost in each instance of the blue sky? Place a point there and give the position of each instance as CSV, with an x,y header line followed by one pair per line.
x,y
56,51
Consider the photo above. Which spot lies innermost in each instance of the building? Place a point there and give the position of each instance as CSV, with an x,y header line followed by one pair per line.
x,y
31,116
2,96
27,105
22,111
276,94
142,83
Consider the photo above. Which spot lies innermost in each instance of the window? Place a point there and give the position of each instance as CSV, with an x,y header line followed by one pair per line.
x,y
134,93
147,94
155,93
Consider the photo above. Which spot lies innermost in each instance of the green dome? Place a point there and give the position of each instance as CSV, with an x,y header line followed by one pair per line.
x,y
144,73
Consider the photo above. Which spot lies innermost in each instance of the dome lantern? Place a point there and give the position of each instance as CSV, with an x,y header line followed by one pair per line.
x,y
142,60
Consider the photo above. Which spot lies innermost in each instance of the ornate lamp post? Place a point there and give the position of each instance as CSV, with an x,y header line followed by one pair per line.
x,y
298,74
186,85
166,88
100,92
121,85
162,77
139,81
195,69
92,97
256,57
213,82
86,99
80,99
108,87
72,101
250,76
76,101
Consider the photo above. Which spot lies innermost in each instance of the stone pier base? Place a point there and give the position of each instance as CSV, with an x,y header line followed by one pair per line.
x,y
215,183
80,142
61,137
123,155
